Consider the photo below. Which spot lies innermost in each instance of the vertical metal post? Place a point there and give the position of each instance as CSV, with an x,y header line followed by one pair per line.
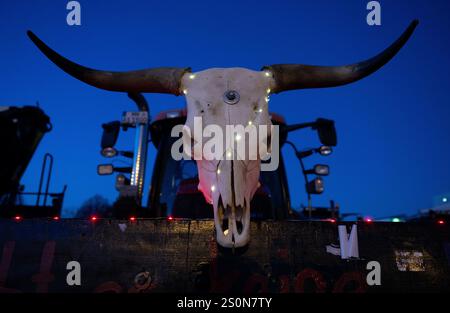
x,y
309,206
49,176
306,182
139,161
140,145
41,180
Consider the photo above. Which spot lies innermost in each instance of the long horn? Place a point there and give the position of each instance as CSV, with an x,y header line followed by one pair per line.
x,y
155,80
299,76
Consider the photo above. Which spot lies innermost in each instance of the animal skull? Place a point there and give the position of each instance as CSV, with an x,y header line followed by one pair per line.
x,y
233,96
228,96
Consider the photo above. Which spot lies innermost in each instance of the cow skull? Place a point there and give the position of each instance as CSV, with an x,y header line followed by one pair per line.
x,y
229,97
233,96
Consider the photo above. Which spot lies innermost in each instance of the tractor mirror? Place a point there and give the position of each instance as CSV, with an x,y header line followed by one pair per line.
x,y
326,131
110,134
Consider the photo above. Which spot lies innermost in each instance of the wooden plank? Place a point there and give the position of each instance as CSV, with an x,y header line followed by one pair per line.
x,y
182,256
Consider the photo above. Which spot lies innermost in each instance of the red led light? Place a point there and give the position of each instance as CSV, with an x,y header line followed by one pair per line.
x,y
441,222
56,218
332,220
18,218
93,218
368,220
170,218
132,219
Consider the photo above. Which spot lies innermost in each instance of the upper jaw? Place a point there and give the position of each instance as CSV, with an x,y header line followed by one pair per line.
x,y
232,224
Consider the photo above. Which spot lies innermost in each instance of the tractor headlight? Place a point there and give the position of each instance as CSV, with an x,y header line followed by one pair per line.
x,y
325,150
321,169
315,186
105,169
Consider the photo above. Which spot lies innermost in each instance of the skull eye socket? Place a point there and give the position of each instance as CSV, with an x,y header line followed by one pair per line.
x,y
231,97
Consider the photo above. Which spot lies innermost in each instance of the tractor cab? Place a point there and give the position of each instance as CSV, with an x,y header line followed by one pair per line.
x,y
174,192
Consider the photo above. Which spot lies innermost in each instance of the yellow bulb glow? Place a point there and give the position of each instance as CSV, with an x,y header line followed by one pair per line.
x,y
238,137
268,90
185,91
192,76
213,188
218,171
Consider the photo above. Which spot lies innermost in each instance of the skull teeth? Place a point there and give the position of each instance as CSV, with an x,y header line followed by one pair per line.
x,y
232,225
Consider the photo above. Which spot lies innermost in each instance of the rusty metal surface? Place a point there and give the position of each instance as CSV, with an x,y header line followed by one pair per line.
x,y
182,256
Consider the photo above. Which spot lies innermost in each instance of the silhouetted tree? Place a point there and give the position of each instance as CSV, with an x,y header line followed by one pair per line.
x,y
96,205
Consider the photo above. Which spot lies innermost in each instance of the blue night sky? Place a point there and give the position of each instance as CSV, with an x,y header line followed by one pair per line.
x,y
393,153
